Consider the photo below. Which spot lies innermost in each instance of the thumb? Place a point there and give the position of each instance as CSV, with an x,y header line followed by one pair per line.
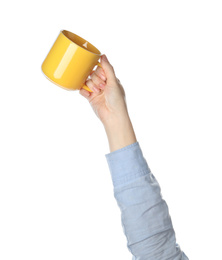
x,y
108,68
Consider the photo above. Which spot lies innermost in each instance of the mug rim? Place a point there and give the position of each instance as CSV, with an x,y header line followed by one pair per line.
x,y
99,54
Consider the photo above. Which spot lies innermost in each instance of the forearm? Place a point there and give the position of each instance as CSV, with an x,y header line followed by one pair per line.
x,y
120,132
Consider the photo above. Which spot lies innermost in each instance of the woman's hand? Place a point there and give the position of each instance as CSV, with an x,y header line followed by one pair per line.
x,y
108,96
108,102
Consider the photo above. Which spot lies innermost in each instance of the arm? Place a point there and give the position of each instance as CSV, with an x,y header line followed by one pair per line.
x,y
145,217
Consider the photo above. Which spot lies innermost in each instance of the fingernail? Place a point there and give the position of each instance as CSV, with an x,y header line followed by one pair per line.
x,y
96,89
105,58
103,77
102,85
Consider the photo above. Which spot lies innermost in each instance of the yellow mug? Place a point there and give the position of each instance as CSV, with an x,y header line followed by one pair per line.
x,y
70,61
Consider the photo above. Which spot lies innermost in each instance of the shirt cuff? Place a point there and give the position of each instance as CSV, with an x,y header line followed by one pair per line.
x,y
127,164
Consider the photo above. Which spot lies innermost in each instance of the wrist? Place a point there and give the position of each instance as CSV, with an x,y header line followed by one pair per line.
x,y
120,132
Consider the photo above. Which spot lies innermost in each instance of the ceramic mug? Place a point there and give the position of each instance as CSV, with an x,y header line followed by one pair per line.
x,y
70,61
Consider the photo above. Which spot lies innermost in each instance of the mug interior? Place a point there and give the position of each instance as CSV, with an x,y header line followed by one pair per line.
x,y
81,42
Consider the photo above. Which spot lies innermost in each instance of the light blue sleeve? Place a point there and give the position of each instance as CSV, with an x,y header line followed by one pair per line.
x,y
144,214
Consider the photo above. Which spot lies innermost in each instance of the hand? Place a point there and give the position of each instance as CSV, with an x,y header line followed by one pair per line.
x,y
108,96
108,102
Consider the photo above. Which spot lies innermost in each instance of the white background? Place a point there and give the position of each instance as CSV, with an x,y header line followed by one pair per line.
x,y
56,194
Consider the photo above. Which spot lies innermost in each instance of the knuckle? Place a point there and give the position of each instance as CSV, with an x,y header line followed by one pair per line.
x,y
111,66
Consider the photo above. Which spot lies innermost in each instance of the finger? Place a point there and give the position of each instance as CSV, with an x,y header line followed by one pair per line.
x,y
84,93
98,81
108,69
100,73
89,83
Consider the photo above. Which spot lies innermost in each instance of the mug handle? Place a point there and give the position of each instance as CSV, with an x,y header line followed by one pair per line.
x,y
87,88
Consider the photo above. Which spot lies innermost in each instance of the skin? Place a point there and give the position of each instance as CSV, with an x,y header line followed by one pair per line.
x,y
109,104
